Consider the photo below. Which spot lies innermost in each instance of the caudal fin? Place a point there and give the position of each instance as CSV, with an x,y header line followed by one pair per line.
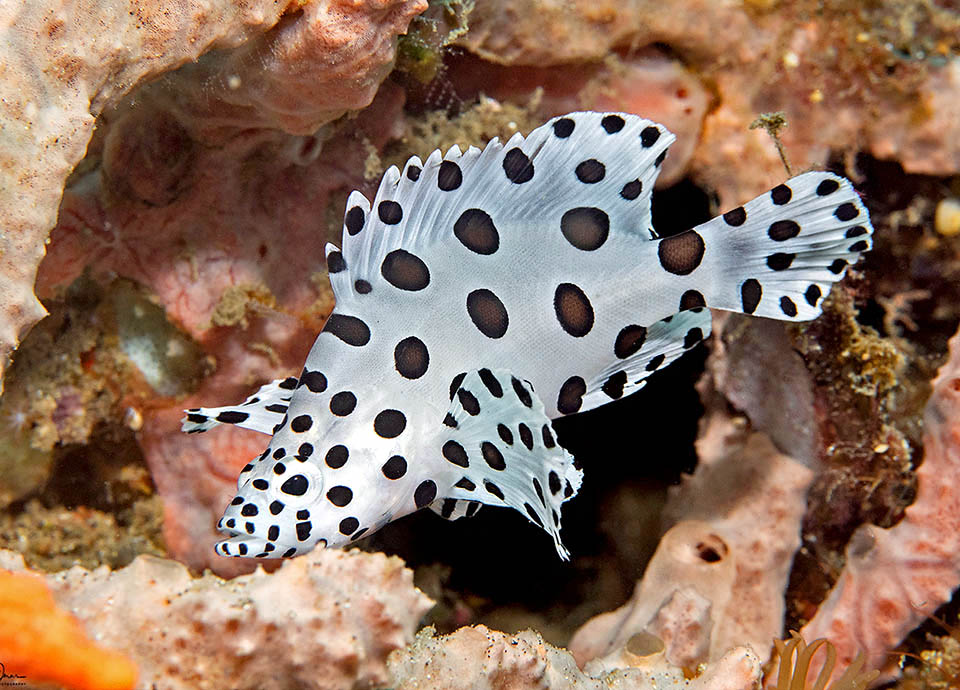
x,y
778,255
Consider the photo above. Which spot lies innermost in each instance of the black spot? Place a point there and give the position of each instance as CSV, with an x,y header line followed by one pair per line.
x,y
472,508
289,383
362,287
348,526
232,417
405,271
295,485
787,306
856,231
303,514
249,510
590,171
554,481
487,313
413,172
305,450
692,299
358,534
395,467
465,484
315,381
249,527
568,490
273,533
563,127
425,493
449,421
469,402
693,336
517,166
571,395
492,489
681,254
655,362
449,177
827,187
248,466
337,456
390,212
242,548
411,357
237,500
523,395
780,261
290,552
335,262
837,266
613,386
783,230
196,418
736,217
859,246
349,329
526,436
539,490
629,341
649,136
276,507
301,423
492,456
781,194
340,495
354,220
476,231
533,514
846,212
454,452
448,506
455,383
585,228
505,434
631,190
261,484
491,382
303,530
573,310
276,407
750,293
813,294
389,423
231,523
279,468
548,439
612,123
663,154
343,403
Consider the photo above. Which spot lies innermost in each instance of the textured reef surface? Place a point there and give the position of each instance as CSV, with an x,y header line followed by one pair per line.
x,y
171,175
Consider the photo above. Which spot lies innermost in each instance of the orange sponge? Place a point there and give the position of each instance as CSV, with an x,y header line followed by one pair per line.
x,y
43,644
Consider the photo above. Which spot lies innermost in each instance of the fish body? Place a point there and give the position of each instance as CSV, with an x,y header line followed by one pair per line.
x,y
484,293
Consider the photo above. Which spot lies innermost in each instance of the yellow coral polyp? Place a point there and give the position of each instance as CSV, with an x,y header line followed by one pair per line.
x,y
42,644
792,676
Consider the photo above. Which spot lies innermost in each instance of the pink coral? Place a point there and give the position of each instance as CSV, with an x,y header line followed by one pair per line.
x,y
895,578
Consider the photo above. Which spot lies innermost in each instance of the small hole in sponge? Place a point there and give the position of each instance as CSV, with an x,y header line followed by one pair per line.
x,y
712,549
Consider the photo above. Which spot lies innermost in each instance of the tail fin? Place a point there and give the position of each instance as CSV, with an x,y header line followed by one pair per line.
x,y
778,255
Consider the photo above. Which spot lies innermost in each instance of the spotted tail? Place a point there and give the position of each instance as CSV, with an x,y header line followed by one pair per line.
x,y
778,255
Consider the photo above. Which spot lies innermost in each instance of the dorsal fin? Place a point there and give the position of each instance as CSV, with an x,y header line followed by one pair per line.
x,y
474,197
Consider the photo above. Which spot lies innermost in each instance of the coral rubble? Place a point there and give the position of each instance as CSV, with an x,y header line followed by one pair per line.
x,y
325,621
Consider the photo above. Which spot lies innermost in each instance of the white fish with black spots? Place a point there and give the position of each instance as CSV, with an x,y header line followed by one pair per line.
x,y
483,294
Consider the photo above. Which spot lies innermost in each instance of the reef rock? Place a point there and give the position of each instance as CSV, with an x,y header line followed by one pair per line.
x,y
477,658
327,620
718,577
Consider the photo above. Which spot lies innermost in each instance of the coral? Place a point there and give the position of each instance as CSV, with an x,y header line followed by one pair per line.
x,y
327,620
63,69
895,578
717,578
41,643
479,658
883,78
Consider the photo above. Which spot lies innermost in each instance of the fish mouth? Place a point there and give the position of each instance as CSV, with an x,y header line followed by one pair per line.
x,y
246,546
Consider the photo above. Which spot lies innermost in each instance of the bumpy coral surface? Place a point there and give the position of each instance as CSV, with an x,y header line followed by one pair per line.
x,y
41,643
325,621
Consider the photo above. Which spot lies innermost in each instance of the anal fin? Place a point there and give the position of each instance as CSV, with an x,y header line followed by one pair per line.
x,y
261,412
499,436
454,509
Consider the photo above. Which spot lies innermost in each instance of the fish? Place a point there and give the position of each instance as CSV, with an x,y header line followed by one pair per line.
x,y
483,294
